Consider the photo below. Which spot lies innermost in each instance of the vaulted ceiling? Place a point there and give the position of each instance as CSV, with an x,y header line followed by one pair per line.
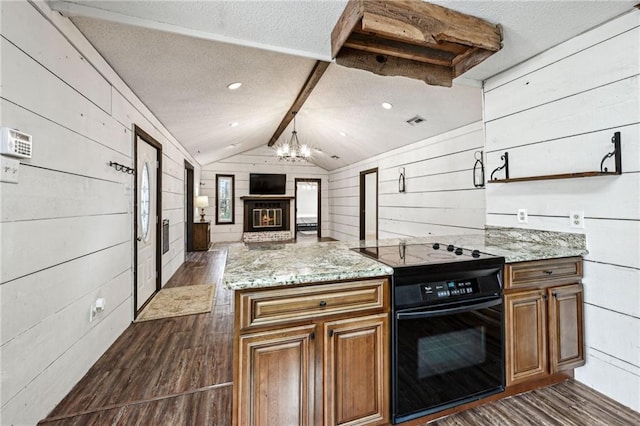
x,y
179,57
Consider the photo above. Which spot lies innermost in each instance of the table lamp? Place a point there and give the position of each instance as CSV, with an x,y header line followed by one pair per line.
x,y
202,201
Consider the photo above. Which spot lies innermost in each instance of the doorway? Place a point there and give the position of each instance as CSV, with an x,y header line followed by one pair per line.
x,y
147,219
188,208
308,208
369,204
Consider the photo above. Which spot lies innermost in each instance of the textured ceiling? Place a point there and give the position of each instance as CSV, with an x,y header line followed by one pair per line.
x,y
179,56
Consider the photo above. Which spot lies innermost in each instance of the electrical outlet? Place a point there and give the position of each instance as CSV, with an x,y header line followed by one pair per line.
x,y
576,219
522,216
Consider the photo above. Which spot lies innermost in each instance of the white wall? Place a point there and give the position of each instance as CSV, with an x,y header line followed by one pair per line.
x,y
258,160
556,113
67,226
440,198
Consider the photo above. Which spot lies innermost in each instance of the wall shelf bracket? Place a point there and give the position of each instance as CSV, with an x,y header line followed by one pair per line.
x,y
615,140
505,166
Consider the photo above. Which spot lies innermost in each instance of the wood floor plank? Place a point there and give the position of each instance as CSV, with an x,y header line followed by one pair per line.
x,y
178,371
167,356
568,403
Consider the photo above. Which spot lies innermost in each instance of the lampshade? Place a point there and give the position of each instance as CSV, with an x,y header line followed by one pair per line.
x,y
202,201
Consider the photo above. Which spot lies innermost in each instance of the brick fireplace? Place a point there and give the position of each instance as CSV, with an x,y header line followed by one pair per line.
x,y
266,218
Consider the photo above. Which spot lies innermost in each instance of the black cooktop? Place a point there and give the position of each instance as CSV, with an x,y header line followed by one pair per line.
x,y
404,254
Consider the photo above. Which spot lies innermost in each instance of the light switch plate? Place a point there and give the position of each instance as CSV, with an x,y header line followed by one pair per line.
x,y
9,168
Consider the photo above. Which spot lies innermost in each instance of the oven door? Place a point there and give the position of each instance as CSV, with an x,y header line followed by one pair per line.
x,y
446,356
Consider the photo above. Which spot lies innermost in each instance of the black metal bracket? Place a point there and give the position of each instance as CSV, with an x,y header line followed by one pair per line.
x,y
505,166
121,167
478,170
401,187
617,153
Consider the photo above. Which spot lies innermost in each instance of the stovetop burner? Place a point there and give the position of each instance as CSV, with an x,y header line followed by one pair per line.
x,y
403,254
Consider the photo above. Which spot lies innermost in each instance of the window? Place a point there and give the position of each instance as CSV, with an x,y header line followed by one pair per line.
x,y
225,199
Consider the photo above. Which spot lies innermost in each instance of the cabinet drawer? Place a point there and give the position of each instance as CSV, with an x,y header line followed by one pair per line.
x,y
268,307
540,272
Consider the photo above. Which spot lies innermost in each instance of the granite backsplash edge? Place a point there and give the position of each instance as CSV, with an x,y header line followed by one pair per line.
x,y
495,235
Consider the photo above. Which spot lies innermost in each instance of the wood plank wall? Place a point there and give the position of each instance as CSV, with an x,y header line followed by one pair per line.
x,y
258,160
67,226
440,198
556,113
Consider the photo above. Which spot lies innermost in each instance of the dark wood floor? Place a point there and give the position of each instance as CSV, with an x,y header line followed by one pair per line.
x,y
178,371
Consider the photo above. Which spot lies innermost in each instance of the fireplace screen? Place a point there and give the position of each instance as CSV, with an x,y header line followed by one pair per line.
x,y
267,218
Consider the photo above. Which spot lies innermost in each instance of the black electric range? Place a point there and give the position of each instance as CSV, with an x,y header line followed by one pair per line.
x,y
447,326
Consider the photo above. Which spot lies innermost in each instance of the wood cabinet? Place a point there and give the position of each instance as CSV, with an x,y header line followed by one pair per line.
x,y
201,235
355,371
544,318
316,354
277,377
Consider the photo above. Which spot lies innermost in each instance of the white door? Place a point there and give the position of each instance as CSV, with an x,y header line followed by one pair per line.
x,y
147,221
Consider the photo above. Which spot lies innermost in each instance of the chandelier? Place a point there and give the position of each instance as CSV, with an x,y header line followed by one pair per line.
x,y
293,150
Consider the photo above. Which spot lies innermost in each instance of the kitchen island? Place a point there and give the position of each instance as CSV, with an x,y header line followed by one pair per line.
x,y
311,336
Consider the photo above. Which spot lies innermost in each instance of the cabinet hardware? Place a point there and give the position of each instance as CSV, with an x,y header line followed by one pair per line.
x,y
545,297
331,333
548,272
554,294
312,336
323,303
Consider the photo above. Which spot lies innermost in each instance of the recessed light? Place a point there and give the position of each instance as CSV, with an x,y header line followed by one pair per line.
x,y
233,124
387,105
234,86
343,133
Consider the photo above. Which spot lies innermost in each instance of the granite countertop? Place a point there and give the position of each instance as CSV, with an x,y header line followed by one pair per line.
x,y
512,249
277,264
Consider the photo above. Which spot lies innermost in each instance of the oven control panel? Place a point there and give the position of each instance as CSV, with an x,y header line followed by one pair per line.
x,y
444,289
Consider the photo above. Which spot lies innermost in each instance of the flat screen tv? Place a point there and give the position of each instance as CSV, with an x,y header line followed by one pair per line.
x,y
267,184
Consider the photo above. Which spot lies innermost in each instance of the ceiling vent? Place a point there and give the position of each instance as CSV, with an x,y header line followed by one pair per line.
x,y
414,121
412,38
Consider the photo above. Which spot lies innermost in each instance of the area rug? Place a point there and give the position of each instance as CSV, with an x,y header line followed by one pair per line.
x,y
178,301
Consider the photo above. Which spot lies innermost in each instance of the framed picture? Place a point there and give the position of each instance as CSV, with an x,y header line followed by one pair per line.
x,y
225,199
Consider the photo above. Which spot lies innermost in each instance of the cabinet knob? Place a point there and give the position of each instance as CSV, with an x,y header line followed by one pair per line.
x,y
331,333
139,238
554,294
323,303
548,272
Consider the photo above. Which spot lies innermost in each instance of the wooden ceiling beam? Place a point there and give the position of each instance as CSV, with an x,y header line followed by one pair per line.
x,y
314,77
383,46
418,21
412,38
434,75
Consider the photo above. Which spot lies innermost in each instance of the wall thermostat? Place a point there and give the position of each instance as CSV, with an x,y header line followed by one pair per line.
x,y
15,143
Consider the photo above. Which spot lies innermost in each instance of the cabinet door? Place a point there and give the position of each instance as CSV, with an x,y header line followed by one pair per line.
x,y
566,330
276,377
356,372
526,336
